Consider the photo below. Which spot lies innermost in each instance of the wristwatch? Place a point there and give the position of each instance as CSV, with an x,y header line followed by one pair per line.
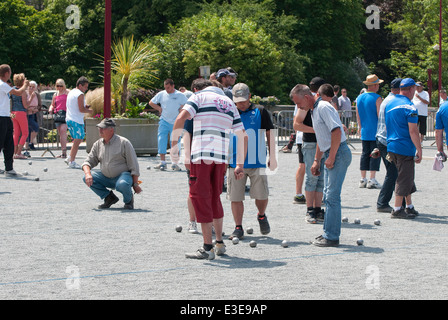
x,y
135,184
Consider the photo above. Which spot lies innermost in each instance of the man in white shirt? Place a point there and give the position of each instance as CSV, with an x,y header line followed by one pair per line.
x,y
168,102
6,126
421,102
76,108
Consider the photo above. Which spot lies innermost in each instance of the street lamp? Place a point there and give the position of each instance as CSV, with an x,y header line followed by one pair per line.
x,y
107,58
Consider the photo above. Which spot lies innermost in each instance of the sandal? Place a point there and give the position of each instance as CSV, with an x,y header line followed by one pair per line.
x,y
62,155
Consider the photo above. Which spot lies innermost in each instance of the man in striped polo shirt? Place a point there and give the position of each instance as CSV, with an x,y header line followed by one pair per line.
x,y
215,116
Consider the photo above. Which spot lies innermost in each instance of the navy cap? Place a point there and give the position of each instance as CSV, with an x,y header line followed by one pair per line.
x,y
225,72
395,84
408,82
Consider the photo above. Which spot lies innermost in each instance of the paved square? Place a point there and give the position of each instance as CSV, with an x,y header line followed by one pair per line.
x,y
55,244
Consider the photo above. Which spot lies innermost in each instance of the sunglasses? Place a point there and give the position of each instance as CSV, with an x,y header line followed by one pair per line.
x,y
59,86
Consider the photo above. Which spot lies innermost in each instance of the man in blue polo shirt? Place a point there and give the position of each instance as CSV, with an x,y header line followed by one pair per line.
x,y
403,146
367,109
258,125
441,124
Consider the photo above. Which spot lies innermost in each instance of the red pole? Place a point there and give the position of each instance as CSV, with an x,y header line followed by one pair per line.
x,y
430,86
107,58
440,54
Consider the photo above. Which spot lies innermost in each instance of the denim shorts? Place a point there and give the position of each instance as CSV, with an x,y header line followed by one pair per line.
x,y
312,183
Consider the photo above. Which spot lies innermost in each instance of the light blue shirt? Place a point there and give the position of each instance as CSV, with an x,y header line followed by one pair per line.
x,y
325,120
170,103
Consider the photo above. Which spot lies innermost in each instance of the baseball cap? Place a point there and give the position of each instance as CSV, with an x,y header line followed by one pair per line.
x,y
224,72
395,84
407,82
106,123
240,92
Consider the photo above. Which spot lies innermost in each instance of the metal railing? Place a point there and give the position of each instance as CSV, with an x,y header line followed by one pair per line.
x,y
283,122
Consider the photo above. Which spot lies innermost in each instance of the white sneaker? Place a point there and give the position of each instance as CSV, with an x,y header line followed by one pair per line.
x,y
363,183
74,165
67,160
175,167
373,184
161,167
201,254
193,227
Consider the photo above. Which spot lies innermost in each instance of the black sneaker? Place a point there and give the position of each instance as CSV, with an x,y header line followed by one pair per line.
x,y
237,233
108,201
387,209
311,216
402,214
320,215
411,211
264,224
320,241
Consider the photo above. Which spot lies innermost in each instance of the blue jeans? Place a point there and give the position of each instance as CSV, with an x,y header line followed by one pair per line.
x,y
312,183
336,176
122,183
389,180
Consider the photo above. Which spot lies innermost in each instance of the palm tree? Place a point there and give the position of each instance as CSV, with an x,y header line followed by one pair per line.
x,y
132,66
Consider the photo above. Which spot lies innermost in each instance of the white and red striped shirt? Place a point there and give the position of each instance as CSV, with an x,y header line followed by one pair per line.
x,y
215,117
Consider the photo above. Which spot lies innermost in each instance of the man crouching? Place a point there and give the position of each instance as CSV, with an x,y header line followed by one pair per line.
x,y
119,167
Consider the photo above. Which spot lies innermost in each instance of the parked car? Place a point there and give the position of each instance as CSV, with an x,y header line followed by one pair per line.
x,y
46,98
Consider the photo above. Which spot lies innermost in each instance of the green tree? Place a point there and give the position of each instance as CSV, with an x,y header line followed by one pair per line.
x,y
418,35
29,39
220,41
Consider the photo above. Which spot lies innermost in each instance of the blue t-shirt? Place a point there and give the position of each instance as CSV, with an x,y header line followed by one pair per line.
x,y
257,121
366,104
170,103
399,112
442,118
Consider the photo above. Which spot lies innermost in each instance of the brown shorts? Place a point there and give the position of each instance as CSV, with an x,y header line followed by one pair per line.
x,y
404,185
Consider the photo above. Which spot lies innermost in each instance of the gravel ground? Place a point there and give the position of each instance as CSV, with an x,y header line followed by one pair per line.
x,y
55,244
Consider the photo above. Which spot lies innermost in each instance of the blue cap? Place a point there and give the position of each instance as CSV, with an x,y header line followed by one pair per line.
x,y
408,82
395,84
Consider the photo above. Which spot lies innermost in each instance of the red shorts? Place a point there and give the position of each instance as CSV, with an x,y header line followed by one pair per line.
x,y
206,181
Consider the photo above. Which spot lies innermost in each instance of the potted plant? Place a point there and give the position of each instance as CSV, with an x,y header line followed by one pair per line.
x,y
132,69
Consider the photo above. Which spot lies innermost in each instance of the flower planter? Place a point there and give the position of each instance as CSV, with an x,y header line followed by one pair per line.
x,y
141,132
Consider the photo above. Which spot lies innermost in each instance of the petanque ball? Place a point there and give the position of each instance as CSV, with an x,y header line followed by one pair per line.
x,y
357,221
36,179
30,162
178,228
235,240
377,222
45,169
359,242
344,219
253,243
249,230
285,243
25,173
